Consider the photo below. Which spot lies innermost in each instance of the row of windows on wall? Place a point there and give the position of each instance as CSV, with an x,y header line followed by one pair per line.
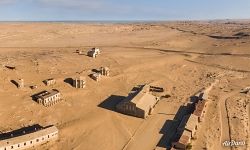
x,y
31,142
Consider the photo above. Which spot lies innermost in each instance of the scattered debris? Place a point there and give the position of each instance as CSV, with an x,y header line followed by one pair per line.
x,y
245,90
33,87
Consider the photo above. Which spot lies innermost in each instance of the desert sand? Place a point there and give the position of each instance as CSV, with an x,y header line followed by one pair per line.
x,y
182,57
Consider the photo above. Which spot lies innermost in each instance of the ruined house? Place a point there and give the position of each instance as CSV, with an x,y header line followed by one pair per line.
x,y
200,110
104,71
188,123
48,98
96,76
49,82
139,102
79,82
29,139
182,141
246,90
93,52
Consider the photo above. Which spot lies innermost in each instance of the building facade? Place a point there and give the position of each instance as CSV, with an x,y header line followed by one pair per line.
x,y
49,82
139,103
48,98
104,71
93,52
79,82
31,139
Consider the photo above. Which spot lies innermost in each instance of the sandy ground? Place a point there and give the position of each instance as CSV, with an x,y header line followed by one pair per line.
x,y
182,57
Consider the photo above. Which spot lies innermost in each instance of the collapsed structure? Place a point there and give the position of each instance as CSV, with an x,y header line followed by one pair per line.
x,y
79,82
246,90
96,76
93,52
48,98
139,102
28,138
49,82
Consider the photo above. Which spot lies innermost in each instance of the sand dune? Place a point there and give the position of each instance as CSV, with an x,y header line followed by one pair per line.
x,y
182,57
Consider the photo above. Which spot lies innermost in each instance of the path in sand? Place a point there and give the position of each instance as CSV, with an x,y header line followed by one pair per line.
x,y
224,119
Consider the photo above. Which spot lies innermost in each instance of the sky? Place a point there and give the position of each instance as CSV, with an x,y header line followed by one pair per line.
x,y
111,10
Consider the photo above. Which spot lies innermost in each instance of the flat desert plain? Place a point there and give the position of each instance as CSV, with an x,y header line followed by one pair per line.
x,y
181,57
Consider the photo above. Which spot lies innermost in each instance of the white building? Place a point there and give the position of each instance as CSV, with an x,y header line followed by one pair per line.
x,y
31,139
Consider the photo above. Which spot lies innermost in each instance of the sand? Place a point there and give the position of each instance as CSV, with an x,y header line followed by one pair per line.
x,y
182,57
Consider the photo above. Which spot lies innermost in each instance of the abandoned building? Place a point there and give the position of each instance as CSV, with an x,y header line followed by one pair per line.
x,y
79,82
49,82
138,103
245,90
104,71
200,110
93,52
188,123
96,76
182,141
29,139
20,83
48,98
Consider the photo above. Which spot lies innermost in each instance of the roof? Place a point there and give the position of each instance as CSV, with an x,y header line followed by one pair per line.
x,y
188,122
29,136
141,97
192,122
47,94
184,139
199,108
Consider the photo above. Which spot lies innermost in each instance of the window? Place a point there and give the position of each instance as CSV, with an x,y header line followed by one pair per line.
x,y
12,147
48,136
37,140
24,144
18,145
30,142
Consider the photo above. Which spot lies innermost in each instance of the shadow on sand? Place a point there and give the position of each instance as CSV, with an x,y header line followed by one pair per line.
x,y
69,81
14,82
111,102
170,127
21,131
